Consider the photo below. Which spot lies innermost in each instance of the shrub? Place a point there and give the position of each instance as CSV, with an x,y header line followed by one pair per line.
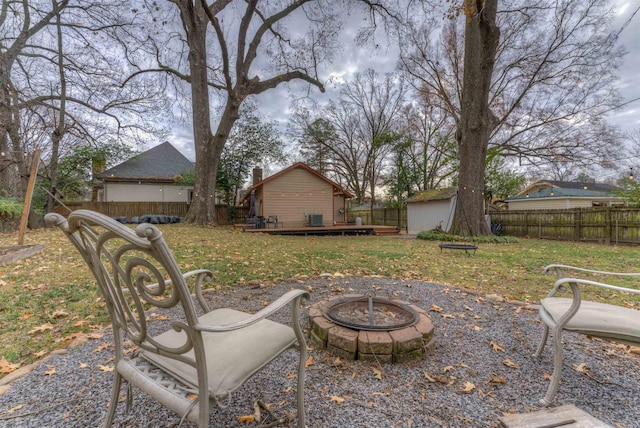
x,y
431,235
10,207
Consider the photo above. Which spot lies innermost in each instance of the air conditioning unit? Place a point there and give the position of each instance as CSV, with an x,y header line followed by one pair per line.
x,y
315,220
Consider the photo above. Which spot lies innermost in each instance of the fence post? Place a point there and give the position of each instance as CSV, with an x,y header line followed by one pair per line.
x,y
539,227
577,221
607,225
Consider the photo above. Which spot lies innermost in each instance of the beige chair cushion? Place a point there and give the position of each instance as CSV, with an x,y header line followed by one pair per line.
x,y
232,357
597,319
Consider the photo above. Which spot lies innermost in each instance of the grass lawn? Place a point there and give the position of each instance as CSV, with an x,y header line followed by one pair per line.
x,y
50,298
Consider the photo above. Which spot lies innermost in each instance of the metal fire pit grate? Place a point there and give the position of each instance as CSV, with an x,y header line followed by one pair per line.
x,y
371,313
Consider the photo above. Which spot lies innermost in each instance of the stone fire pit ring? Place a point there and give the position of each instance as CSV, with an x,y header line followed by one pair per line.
x,y
395,346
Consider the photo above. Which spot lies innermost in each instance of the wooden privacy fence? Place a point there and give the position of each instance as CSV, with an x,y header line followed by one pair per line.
x,y
382,217
138,209
608,225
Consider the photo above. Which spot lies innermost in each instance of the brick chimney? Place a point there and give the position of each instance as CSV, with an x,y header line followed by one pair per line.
x,y
257,175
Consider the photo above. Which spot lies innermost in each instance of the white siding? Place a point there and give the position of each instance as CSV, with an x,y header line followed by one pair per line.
x,y
132,192
296,193
429,215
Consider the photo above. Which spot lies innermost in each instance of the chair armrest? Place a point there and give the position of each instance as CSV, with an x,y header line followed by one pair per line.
x,y
559,268
293,297
573,282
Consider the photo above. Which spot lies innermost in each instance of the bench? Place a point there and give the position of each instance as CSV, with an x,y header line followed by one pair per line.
x,y
603,320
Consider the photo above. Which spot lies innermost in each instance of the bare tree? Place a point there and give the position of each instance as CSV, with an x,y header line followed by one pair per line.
x,y
432,153
260,31
362,131
15,36
238,50
58,76
552,73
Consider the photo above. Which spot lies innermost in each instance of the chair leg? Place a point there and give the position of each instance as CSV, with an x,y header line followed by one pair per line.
x,y
300,391
557,368
543,341
113,402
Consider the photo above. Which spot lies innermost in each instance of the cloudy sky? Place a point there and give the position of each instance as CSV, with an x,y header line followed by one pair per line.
x,y
275,103
628,117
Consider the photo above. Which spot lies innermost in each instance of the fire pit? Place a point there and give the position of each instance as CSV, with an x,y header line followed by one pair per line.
x,y
370,313
371,328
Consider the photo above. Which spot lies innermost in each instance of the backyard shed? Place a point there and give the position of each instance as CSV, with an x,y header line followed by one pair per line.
x,y
431,209
299,196
147,177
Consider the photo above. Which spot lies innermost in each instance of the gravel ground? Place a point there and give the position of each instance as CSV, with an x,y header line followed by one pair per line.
x,y
466,331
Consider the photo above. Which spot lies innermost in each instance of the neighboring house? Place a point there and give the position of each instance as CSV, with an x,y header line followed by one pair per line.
x,y
147,177
295,193
557,195
431,209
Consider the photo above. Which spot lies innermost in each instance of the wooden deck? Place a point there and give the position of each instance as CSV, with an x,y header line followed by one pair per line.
x,y
327,230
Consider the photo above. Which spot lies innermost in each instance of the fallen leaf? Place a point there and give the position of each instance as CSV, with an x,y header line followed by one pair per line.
x,y
309,362
13,409
246,419
83,366
102,347
60,314
80,323
43,327
429,377
106,368
435,308
159,317
377,374
496,347
447,316
634,350
581,368
292,376
496,379
6,366
438,378
507,362
337,399
468,387
448,369
256,411
26,316
265,303
469,308
547,376
287,389
51,371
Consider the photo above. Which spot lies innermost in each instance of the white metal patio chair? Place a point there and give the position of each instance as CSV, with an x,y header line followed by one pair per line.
x,y
606,321
207,354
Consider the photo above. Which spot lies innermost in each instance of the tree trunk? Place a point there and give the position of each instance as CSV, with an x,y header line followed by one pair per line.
x,y
202,210
61,129
476,119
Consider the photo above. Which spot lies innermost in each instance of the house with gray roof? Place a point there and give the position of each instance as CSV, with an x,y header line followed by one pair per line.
x,y
147,177
557,195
